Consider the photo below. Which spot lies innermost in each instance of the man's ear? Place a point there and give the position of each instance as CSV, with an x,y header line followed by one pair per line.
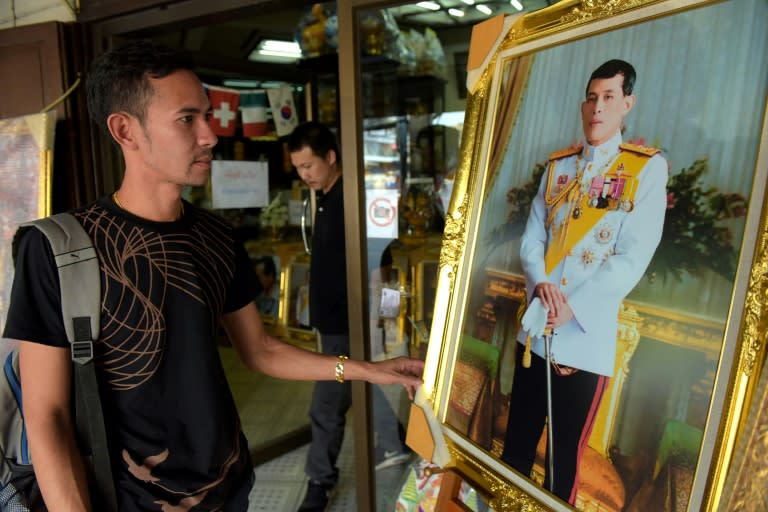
x,y
331,157
121,127
629,102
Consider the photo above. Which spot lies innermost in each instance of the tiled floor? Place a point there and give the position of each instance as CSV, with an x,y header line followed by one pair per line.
x,y
280,483
270,408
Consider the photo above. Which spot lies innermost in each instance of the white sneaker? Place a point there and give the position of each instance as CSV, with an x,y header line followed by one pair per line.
x,y
387,459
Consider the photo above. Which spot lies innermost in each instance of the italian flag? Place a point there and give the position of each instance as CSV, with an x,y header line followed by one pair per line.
x,y
253,108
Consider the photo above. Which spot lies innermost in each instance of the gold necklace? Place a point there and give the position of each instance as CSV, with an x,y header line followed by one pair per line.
x,y
120,205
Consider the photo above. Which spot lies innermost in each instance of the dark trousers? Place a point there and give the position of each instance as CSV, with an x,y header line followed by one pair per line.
x,y
327,415
575,400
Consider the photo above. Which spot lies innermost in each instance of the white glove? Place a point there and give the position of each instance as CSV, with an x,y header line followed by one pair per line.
x,y
535,319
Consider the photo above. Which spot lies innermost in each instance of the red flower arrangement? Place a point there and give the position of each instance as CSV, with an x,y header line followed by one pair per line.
x,y
694,236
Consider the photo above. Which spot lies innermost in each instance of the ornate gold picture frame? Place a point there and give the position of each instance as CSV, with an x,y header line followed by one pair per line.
x,y
689,343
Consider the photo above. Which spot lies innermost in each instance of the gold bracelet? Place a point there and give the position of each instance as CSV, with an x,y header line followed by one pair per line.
x,y
340,369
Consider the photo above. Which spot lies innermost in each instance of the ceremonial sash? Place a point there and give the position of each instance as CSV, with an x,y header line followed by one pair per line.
x,y
631,161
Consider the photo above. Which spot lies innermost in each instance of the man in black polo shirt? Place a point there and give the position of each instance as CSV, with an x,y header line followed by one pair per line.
x,y
315,155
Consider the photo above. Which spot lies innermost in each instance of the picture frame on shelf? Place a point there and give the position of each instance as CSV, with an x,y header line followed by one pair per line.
x,y
687,350
294,310
267,268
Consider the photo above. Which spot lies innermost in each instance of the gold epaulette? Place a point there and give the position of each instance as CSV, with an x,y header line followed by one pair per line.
x,y
562,153
642,150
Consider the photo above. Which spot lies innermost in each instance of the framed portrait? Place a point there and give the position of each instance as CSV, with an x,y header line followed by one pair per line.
x,y
624,300
294,311
268,271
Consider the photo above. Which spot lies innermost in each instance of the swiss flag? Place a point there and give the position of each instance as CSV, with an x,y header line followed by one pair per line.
x,y
224,102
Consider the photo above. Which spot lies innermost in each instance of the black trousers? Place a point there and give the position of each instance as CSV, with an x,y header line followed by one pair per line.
x,y
327,415
575,401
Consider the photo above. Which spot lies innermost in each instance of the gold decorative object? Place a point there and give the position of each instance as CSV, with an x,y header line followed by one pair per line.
x,y
418,212
313,34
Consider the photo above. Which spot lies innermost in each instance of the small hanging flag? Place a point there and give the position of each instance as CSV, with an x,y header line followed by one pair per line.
x,y
283,109
253,107
224,102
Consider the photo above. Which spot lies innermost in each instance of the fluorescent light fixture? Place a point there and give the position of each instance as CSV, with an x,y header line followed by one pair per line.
x,y
271,85
275,46
456,12
484,9
432,6
254,84
516,4
469,2
243,84
273,49
273,53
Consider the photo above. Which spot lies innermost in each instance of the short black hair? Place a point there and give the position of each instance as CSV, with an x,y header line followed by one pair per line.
x,y
118,80
317,136
612,68
270,269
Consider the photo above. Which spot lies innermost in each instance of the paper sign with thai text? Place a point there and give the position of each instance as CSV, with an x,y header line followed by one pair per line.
x,y
239,184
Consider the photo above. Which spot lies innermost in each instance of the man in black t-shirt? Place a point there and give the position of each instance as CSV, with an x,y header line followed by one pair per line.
x,y
171,274
165,285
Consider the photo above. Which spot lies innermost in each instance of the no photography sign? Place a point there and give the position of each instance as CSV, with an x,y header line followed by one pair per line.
x,y
381,216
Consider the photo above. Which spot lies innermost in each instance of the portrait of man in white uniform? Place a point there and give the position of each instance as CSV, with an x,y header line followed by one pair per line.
x,y
592,230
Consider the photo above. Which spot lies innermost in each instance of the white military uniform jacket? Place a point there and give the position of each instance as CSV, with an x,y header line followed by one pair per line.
x,y
605,264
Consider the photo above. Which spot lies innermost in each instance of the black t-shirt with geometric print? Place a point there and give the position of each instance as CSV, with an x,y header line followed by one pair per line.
x,y
173,428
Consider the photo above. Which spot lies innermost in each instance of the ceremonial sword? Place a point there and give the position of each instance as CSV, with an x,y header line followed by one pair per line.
x,y
550,434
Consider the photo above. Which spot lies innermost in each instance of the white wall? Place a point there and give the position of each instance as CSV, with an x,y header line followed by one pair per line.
x,y
15,13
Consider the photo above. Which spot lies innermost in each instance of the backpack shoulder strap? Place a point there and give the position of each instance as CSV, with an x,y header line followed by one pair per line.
x,y
80,280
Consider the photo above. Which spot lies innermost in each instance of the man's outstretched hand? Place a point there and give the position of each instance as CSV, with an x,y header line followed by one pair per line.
x,y
399,370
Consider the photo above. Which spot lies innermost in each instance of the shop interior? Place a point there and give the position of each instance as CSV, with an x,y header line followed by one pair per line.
x,y
389,79
412,77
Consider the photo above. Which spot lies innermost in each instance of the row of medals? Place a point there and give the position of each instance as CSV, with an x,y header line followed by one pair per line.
x,y
612,201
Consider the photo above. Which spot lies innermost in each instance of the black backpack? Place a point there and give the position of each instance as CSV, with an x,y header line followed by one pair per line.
x,y
79,276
